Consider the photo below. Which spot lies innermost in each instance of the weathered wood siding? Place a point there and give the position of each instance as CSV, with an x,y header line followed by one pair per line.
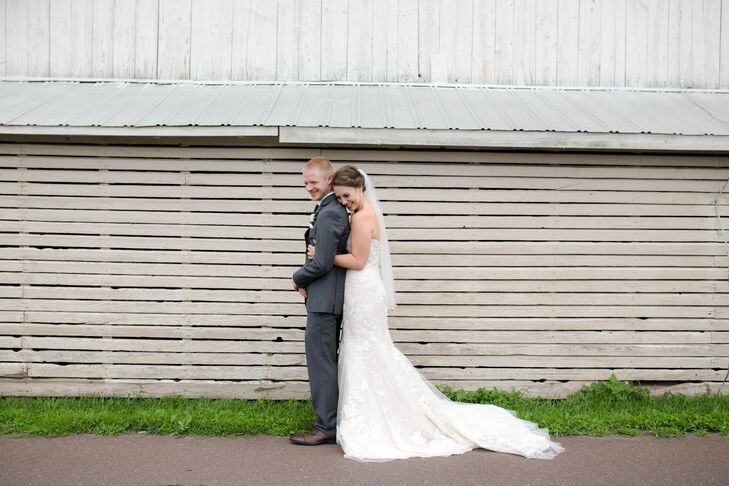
x,y
636,43
167,270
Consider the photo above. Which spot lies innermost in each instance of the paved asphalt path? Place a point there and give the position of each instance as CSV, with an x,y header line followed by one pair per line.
x,y
162,460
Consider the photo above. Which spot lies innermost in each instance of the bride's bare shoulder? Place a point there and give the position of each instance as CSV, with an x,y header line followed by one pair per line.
x,y
365,214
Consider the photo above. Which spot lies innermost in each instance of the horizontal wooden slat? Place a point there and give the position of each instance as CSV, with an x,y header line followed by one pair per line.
x,y
284,390
120,357
387,195
240,220
397,234
545,311
266,359
400,336
250,389
389,208
446,158
47,370
32,345
456,273
696,184
279,161
421,286
592,374
160,321
254,334
510,253
288,296
43,370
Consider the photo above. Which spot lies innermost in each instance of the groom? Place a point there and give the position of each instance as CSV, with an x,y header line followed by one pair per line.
x,y
322,284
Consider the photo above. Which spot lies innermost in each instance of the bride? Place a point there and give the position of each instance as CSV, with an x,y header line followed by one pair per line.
x,y
387,410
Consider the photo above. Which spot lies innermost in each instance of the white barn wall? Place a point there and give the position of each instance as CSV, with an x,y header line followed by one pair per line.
x,y
160,270
612,43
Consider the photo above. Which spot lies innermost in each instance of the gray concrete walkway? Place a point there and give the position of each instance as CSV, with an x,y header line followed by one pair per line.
x,y
160,460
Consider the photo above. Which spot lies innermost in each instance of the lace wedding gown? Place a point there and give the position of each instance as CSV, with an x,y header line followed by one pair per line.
x,y
387,410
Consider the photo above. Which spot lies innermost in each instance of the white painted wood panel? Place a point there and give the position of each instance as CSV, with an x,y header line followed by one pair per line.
x,y
39,23
504,41
3,38
724,46
407,41
61,39
708,21
173,54
674,47
80,20
589,44
102,39
15,40
211,34
242,18
261,45
484,37
360,27
568,42
146,45
638,43
658,15
334,15
429,22
524,43
125,33
455,36
546,32
686,44
309,40
287,28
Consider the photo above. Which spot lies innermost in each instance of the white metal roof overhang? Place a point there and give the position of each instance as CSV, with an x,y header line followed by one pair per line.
x,y
373,114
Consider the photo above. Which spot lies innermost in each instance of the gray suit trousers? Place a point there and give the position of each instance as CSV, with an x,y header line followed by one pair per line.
x,y
322,345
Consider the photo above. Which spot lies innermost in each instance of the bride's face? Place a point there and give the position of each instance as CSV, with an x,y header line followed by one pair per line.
x,y
349,197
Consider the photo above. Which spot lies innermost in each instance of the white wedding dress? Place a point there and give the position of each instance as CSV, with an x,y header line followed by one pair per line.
x,y
387,410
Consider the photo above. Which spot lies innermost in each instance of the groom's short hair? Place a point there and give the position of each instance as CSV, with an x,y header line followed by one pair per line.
x,y
322,163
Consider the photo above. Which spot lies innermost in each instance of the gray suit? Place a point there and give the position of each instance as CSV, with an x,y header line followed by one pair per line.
x,y
324,284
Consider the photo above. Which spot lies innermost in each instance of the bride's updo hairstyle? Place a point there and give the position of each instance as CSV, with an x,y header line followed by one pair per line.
x,y
349,176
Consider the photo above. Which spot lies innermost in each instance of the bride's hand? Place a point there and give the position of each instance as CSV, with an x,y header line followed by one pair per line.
x,y
310,251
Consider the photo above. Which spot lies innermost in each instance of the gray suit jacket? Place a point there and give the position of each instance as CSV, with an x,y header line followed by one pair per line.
x,y
323,281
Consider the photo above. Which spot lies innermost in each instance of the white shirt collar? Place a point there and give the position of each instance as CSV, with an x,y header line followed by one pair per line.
x,y
326,196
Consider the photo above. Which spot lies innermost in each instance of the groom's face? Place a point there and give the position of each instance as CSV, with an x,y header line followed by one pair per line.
x,y
317,183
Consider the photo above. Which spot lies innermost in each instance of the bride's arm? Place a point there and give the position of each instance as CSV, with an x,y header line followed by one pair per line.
x,y
361,240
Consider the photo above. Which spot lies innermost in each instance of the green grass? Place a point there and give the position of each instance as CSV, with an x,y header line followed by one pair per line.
x,y
605,408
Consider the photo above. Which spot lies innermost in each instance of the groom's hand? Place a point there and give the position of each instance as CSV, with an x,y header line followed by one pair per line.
x,y
300,290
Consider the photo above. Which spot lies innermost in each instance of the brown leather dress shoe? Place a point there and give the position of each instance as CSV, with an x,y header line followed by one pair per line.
x,y
313,438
